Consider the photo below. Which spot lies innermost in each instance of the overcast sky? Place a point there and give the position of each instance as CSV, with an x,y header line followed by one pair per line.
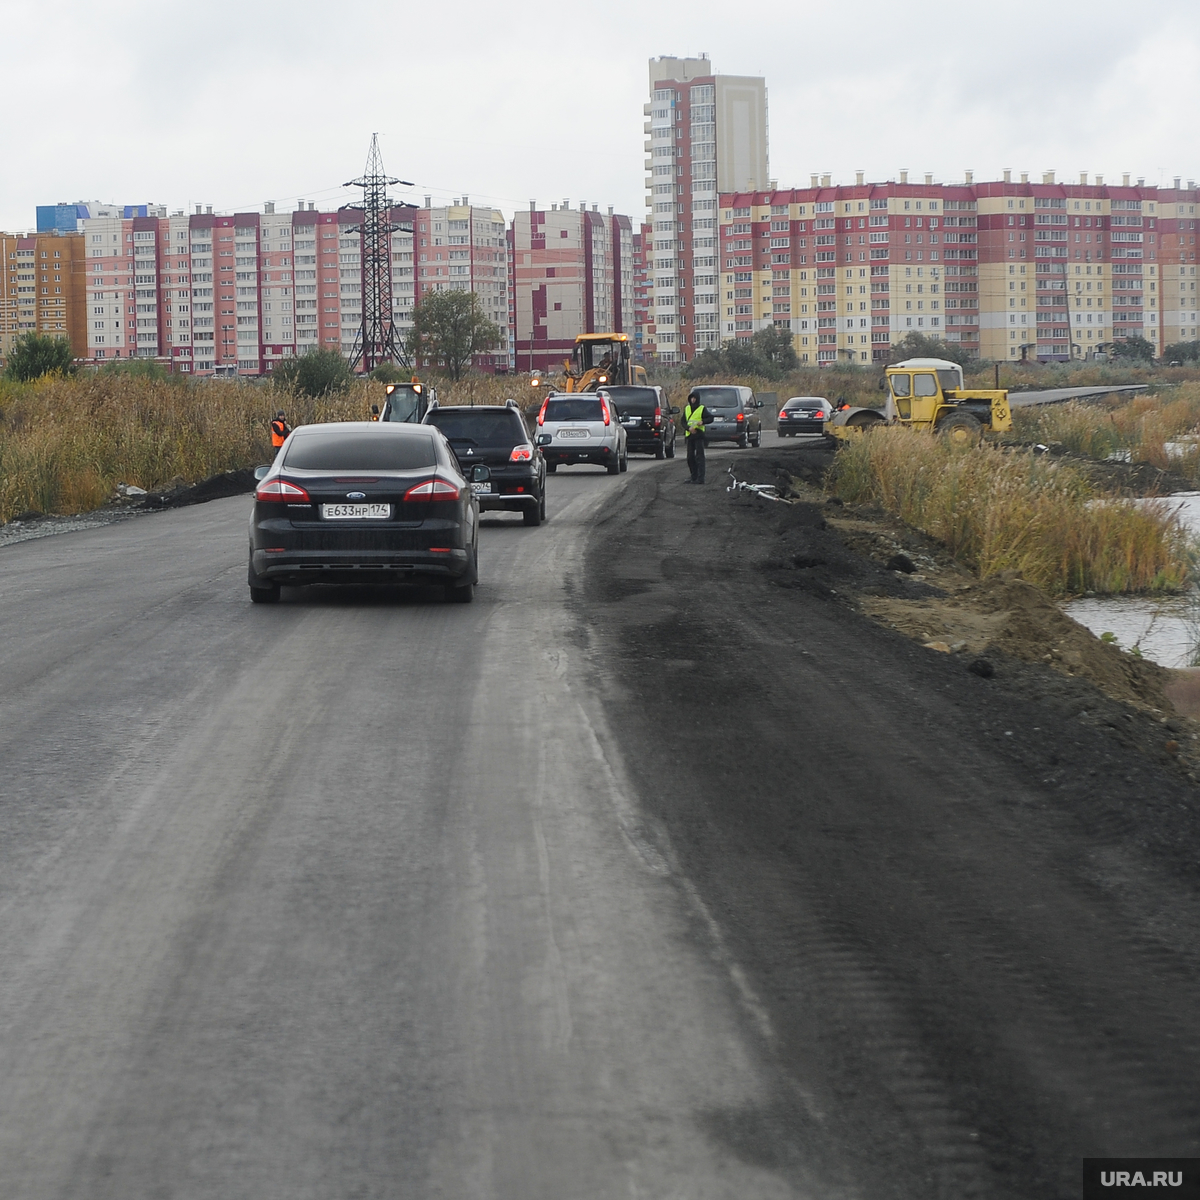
x,y
232,103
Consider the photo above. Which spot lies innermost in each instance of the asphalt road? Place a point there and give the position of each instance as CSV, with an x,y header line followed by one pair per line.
x,y
344,897
589,889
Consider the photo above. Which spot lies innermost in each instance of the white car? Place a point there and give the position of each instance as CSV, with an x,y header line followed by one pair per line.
x,y
581,427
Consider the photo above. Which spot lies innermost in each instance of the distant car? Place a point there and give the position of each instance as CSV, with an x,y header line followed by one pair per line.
x,y
497,436
581,427
735,412
645,415
360,502
804,414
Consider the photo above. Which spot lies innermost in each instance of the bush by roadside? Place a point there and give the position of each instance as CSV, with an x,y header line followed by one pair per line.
x,y
998,509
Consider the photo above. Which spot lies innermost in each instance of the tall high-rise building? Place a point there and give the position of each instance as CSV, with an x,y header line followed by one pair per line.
x,y
1010,269
461,247
573,273
42,289
707,134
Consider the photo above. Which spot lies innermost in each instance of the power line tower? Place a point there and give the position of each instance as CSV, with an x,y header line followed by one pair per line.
x,y
376,340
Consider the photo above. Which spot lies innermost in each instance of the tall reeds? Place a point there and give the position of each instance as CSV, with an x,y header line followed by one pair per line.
x,y
1000,509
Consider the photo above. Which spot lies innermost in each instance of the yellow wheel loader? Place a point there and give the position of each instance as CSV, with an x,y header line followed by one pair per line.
x,y
601,360
928,393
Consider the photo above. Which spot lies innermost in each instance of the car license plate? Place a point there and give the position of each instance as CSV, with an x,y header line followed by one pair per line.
x,y
572,433
356,512
481,489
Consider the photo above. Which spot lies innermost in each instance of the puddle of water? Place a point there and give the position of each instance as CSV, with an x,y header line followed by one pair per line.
x,y
1165,629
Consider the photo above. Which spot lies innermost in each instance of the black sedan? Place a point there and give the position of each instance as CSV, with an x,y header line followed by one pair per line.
x,y
804,414
365,503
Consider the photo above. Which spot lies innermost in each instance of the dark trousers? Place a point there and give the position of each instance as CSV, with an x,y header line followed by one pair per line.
x,y
695,449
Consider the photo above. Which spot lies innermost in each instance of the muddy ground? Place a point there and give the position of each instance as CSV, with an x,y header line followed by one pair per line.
x,y
964,885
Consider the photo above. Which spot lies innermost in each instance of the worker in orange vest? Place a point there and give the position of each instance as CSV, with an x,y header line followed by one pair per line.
x,y
279,430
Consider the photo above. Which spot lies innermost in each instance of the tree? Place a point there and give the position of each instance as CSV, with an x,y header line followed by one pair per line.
x,y
917,345
1181,352
318,373
1136,349
449,329
775,345
388,372
33,356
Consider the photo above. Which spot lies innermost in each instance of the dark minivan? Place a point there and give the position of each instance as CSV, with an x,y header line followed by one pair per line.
x,y
735,412
646,418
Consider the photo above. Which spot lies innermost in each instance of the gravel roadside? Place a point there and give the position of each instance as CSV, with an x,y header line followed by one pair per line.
x,y
968,905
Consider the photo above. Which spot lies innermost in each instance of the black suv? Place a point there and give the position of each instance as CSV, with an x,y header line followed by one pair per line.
x,y
646,419
496,436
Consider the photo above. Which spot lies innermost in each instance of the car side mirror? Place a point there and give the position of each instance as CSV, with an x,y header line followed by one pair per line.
x,y
883,384
758,403
544,439
481,473
260,473
675,410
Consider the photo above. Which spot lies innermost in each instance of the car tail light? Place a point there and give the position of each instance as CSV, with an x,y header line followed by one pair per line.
x,y
280,489
658,416
521,453
741,416
542,411
604,410
432,489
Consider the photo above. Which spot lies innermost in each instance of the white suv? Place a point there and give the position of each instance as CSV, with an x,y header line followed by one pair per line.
x,y
581,427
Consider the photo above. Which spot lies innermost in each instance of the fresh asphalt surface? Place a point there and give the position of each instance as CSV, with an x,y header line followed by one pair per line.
x,y
357,896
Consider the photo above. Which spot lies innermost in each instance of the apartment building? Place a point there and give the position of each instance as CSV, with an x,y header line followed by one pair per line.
x,y
461,247
573,273
239,292
42,289
1010,269
706,134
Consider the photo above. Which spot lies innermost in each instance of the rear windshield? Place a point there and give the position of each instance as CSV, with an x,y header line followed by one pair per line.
x,y
368,451
636,401
720,397
574,409
803,402
501,428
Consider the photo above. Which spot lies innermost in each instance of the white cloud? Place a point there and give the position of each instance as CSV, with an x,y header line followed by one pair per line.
x,y
232,104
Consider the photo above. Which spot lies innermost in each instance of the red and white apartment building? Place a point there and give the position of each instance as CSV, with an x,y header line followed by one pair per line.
x,y
573,272
242,291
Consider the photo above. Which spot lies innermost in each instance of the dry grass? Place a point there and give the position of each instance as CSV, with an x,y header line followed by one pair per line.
x,y
66,443
999,509
1140,427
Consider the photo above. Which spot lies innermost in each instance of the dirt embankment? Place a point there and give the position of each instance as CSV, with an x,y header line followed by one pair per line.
x,y
910,583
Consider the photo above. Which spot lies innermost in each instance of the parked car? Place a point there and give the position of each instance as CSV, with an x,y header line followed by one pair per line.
x,y
575,427
804,414
359,502
496,436
735,413
645,416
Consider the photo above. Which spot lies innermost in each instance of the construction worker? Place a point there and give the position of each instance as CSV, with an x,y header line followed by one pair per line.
x,y
279,430
695,417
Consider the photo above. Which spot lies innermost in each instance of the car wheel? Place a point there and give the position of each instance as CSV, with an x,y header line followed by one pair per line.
x,y
659,452
623,464
460,595
743,442
671,449
551,468
532,516
758,438
614,467
542,502
265,595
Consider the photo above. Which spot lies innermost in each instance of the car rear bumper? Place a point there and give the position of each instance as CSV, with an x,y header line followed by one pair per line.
x,y
802,426
298,567
646,441
566,455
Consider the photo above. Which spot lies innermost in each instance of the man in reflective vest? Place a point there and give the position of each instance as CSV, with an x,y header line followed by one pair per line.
x,y
695,417
279,430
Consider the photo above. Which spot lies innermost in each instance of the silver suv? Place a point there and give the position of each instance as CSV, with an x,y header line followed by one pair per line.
x,y
581,427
